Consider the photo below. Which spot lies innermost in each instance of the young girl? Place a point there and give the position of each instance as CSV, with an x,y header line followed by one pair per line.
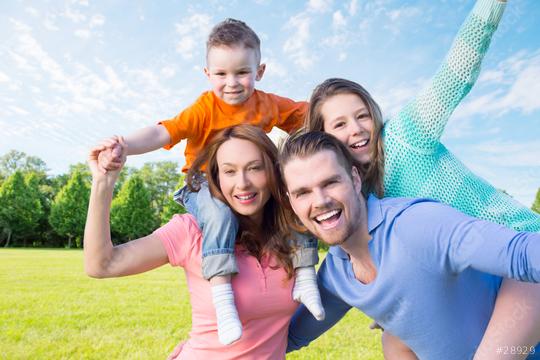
x,y
408,152
240,160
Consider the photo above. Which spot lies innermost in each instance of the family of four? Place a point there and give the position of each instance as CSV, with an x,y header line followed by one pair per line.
x,y
435,255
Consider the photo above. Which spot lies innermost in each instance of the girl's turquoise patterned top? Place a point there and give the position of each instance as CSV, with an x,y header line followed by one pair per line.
x,y
417,164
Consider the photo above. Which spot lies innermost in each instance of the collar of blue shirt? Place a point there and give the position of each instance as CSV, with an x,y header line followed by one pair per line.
x,y
375,218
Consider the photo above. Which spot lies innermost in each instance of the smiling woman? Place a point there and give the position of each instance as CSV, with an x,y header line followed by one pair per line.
x,y
241,171
243,180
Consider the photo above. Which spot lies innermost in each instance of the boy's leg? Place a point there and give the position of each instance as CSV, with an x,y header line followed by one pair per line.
x,y
305,288
219,227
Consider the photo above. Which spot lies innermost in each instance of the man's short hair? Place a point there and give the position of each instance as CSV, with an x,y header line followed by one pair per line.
x,y
303,144
231,32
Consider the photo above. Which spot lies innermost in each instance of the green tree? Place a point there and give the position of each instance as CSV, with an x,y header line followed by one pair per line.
x,y
536,203
171,207
68,211
131,213
15,160
160,179
21,208
38,188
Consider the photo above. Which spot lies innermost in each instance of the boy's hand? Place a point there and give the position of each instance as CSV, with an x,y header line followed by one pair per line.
x,y
109,176
109,154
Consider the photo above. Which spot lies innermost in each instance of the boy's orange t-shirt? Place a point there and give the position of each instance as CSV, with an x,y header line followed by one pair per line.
x,y
208,115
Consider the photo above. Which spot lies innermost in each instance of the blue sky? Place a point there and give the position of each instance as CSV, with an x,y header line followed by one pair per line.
x,y
74,72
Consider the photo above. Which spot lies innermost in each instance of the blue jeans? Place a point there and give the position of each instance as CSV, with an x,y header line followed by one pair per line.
x,y
219,228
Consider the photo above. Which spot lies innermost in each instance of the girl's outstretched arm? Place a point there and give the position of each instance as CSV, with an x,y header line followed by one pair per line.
x,y
422,121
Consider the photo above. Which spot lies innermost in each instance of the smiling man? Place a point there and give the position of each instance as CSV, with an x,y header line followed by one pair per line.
x,y
424,271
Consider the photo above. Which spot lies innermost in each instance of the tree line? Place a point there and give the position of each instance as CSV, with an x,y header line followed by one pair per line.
x,y
39,210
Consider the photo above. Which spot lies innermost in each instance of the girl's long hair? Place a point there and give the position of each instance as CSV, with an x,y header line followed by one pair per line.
x,y
373,172
273,237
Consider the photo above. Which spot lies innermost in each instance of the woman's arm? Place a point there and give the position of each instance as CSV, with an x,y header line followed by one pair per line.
x,y
422,121
101,258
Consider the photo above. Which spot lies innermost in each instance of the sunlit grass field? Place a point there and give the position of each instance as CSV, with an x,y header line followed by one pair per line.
x,y
49,309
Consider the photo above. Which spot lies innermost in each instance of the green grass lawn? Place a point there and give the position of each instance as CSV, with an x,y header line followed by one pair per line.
x,y
49,309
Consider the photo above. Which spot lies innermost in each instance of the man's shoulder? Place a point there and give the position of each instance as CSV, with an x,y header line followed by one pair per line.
x,y
393,206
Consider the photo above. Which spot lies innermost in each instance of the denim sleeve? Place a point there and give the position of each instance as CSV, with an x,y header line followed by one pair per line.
x,y
304,328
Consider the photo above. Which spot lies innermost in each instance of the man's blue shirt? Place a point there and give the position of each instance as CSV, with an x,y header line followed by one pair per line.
x,y
438,274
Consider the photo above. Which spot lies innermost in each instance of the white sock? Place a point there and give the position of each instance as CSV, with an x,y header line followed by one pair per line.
x,y
306,291
228,323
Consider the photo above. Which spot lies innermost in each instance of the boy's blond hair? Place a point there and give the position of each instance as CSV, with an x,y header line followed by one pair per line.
x,y
231,32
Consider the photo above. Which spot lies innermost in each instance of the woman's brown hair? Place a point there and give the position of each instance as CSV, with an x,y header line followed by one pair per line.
x,y
274,234
373,172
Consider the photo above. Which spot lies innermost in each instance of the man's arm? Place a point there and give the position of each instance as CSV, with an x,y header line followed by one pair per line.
x,y
453,241
304,328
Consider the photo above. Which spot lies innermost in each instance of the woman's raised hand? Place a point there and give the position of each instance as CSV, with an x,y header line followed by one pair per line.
x,y
100,154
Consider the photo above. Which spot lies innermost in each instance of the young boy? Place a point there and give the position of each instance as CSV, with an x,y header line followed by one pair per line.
x,y
233,65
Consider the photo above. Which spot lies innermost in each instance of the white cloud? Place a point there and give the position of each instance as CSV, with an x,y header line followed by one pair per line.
x,y
296,45
193,31
49,22
21,62
82,33
517,154
275,69
29,49
404,12
17,110
20,26
393,99
525,92
186,46
80,2
335,40
168,71
398,18
352,8
320,5
96,20
491,76
113,79
517,88
74,15
4,78
338,20
32,11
